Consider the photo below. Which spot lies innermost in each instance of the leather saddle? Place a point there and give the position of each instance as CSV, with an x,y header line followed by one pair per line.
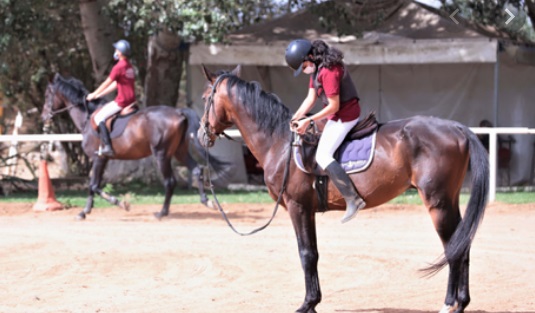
x,y
307,144
116,123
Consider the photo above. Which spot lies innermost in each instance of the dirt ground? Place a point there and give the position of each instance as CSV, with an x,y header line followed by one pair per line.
x,y
118,261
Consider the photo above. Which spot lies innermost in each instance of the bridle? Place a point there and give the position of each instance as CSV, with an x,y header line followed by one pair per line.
x,y
206,127
210,107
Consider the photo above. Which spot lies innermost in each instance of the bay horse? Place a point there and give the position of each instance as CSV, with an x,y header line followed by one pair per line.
x,y
426,153
162,131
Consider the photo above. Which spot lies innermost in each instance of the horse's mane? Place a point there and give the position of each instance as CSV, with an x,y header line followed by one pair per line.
x,y
75,91
266,109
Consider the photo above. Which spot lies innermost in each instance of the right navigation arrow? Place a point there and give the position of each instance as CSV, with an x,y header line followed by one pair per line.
x,y
512,16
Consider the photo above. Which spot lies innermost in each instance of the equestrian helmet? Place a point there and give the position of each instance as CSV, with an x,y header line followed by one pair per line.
x,y
123,46
296,54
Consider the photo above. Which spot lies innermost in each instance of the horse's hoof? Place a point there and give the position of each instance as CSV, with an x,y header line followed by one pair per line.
x,y
124,205
81,216
305,309
159,216
448,309
210,204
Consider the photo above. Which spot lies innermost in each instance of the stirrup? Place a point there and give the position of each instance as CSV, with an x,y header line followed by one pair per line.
x,y
103,152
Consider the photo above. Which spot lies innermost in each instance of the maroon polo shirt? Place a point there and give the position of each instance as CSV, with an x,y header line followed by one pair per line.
x,y
330,80
123,73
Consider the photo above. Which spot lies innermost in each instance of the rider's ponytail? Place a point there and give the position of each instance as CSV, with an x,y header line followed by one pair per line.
x,y
323,55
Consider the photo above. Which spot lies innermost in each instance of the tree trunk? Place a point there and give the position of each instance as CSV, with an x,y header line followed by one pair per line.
x,y
164,69
98,32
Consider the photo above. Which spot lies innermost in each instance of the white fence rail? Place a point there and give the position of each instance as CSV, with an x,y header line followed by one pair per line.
x,y
493,150
492,132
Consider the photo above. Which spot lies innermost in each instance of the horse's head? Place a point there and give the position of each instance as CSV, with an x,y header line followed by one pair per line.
x,y
216,103
63,94
52,101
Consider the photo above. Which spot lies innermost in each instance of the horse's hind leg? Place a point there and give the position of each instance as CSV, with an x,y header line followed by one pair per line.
x,y
169,182
99,164
446,217
458,293
463,292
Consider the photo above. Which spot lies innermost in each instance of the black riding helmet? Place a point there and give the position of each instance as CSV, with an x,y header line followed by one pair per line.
x,y
296,54
123,46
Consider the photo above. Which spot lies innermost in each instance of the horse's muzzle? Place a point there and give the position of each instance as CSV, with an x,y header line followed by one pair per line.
x,y
45,117
205,140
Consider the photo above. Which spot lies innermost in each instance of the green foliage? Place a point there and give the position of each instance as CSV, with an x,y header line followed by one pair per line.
x,y
193,20
36,38
41,37
353,17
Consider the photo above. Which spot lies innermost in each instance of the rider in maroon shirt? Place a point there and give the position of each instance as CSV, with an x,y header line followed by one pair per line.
x,y
122,78
331,82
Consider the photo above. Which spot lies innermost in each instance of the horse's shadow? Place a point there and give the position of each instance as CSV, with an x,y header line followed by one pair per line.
x,y
197,215
213,214
392,310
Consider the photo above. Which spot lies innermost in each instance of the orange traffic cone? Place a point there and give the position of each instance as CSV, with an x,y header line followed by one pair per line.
x,y
46,199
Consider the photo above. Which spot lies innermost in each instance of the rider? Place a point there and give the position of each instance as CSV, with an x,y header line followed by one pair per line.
x,y
122,77
331,82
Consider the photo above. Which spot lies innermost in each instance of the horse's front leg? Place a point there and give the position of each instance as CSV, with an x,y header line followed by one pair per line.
x,y
304,223
198,172
97,169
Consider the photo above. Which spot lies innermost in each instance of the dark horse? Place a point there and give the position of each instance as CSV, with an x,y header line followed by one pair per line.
x,y
162,131
426,153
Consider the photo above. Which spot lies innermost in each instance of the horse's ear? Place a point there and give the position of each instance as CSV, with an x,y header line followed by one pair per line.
x,y
209,76
237,71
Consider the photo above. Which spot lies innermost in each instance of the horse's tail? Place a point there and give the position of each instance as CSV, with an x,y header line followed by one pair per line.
x,y
461,240
221,171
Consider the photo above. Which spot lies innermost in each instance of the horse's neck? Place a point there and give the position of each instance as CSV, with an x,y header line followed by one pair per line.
x,y
261,145
78,117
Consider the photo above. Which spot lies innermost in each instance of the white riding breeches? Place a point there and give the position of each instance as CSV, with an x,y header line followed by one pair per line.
x,y
331,138
107,110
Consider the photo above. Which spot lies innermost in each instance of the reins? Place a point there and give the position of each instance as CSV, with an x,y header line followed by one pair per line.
x,y
284,180
67,108
283,189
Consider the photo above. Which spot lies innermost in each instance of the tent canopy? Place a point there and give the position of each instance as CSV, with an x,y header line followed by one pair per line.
x,y
409,34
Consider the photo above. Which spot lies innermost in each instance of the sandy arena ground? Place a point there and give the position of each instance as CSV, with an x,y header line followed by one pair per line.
x,y
118,261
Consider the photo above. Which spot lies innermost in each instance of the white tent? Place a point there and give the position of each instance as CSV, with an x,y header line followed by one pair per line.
x,y
414,62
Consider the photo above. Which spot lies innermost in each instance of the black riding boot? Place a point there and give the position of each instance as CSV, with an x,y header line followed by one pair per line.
x,y
105,140
344,184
